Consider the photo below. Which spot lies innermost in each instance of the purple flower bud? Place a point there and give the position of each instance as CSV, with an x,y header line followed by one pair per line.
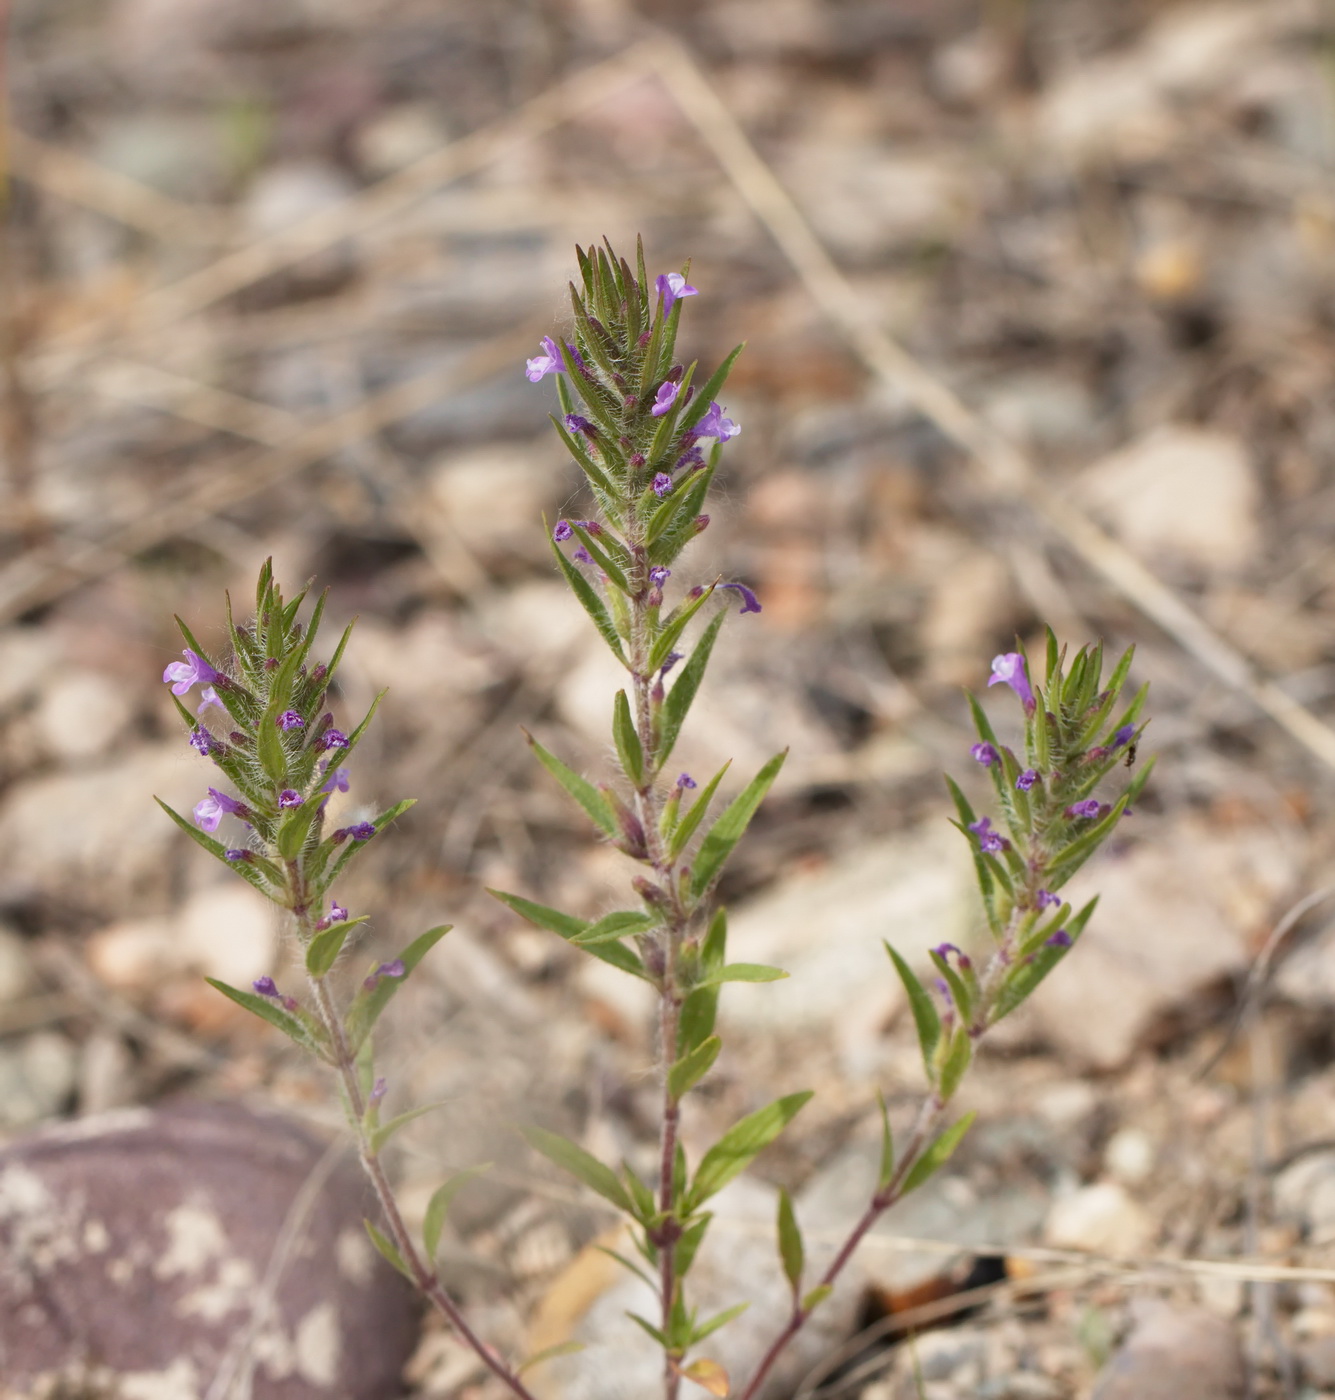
x,y
202,741
271,663
637,460
582,556
670,286
265,986
288,1003
239,856
562,532
208,696
209,810
550,361
378,1089
672,658
944,950
985,754
715,425
289,797
183,674
750,603
1027,779
337,913
1045,899
387,969
363,831
1009,669
1123,736
684,780
988,839
575,423
943,988
665,398
662,485
658,575
337,781
1060,939
1091,807
290,719
332,739
701,524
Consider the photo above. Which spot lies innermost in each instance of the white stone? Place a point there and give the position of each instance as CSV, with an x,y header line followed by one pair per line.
x,y
1129,1156
82,714
1099,1219
229,932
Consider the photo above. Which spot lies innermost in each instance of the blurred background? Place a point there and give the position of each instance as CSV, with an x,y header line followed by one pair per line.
x,y
270,273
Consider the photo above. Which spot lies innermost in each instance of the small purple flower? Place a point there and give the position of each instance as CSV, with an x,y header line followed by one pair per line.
x,y
662,485
183,674
701,525
658,575
208,696
289,797
332,739
576,423
266,987
1009,669
670,286
985,754
1060,939
672,658
988,839
684,780
209,810
386,969
715,425
750,603
944,950
1090,807
337,781
240,857
1045,899
378,1089
337,913
290,719
665,398
562,532
551,361
582,556
1027,779
1123,736
362,831
202,741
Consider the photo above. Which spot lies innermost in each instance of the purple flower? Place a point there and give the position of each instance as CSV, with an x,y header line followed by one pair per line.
x,y
290,719
670,286
1009,669
551,361
239,856
209,810
332,739
337,913
378,1089
715,425
672,658
1045,899
208,696
337,781
575,423
183,674
665,398
363,831
985,754
684,780
944,950
386,969
658,575
750,603
1123,736
562,532
202,741
1090,807
289,797
582,556
662,485
1027,779
1060,939
988,839
266,987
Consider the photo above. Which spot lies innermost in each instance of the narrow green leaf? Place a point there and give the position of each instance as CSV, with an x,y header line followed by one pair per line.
x,y
367,1005
675,625
583,791
592,604
650,1329
584,1165
389,1249
695,814
269,746
692,1237
296,828
731,825
548,1354
956,1062
251,872
678,702
743,972
700,406
567,925
735,1150
629,749
698,1334
323,950
937,1155
640,1194
382,1134
269,1010
601,550
692,1068
816,1297
626,1264
619,956
616,925
791,1252
925,1016
887,1168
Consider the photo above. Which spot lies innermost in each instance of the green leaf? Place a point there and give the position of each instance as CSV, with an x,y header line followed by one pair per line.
x,y
675,625
679,698
389,1249
937,1155
689,1244
1026,975
584,1165
617,925
956,1062
743,972
548,1354
700,406
698,1334
925,1015
591,603
735,1150
887,1168
252,874
269,745
640,1194
695,814
382,1134
567,925
816,1297
600,548
296,828
583,791
323,950
269,1010
731,825
650,1329
439,1204
692,1067
629,749
626,1264
790,1242
367,1005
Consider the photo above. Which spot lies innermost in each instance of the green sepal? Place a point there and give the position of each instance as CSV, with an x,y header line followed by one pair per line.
x,y
887,1167
677,702
728,830
616,925
381,1135
739,1146
925,1016
592,604
252,874
323,949
594,803
675,625
743,972
367,1005
269,1010
389,1250
695,814
584,1165
791,1253
688,1071
705,1329
629,748
937,1155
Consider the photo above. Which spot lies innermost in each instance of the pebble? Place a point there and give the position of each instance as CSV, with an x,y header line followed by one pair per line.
x,y
1174,1353
1303,1194
1129,1156
82,715
37,1077
1101,1219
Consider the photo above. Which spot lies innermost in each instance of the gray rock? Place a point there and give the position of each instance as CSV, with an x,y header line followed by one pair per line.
x,y
1174,1353
147,1240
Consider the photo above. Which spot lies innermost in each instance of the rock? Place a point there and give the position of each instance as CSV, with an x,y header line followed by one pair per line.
x,y
1186,494
94,839
1213,888
1174,1353
81,715
145,1239
1101,1219
1129,1156
1304,1195
1307,975
106,1074
1316,1355
15,966
37,1076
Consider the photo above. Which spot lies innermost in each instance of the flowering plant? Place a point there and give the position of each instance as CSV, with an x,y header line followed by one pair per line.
x,y
648,444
